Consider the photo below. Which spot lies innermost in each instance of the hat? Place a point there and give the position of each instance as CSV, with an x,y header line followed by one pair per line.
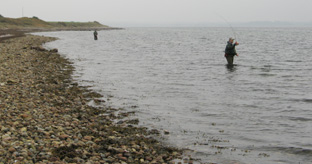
x,y
231,38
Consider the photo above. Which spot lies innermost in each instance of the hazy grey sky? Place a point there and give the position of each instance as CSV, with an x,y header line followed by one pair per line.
x,y
160,11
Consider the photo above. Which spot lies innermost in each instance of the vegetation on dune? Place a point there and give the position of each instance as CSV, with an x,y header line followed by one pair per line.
x,y
35,22
76,24
22,22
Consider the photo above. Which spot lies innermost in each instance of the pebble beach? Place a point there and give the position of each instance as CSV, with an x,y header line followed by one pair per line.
x,y
45,116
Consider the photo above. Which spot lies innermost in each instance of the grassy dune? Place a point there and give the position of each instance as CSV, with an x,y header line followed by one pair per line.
x,y
25,23
77,24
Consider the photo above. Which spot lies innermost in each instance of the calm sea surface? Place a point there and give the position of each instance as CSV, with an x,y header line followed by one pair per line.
x,y
257,112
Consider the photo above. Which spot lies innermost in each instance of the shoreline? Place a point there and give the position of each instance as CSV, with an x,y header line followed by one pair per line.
x,y
45,116
13,33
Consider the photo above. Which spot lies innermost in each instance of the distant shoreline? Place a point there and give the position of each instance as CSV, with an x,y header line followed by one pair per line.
x,y
17,27
13,33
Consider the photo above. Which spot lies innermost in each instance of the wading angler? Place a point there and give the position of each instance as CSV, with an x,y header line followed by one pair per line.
x,y
230,51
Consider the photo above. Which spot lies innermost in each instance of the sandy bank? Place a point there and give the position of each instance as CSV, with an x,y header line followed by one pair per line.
x,y
44,116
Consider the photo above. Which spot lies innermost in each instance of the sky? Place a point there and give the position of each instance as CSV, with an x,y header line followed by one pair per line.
x,y
160,12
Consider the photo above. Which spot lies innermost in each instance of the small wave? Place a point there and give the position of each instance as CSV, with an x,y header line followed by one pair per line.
x,y
267,66
294,150
287,111
307,100
294,61
267,74
209,115
299,119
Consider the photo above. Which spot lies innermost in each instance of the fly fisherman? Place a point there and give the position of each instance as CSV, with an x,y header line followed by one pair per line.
x,y
230,51
95,35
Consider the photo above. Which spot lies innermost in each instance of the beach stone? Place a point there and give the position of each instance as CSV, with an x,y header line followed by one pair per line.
x,y
24,116
175,153
54,50
64,136
6,137
127,154
90,143
154,131
80,143
112,137
12,149
54,159
41,116
149,158
4,129
121,157
88,138
24,129
20,158
38,48
24,154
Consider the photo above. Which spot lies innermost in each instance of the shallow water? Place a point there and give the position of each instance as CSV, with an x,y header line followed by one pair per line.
x,y
176,79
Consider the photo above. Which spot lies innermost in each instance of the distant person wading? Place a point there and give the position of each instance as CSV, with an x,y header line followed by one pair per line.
x,y
230,51
95,35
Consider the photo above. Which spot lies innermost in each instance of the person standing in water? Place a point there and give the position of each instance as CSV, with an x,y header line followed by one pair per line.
x,y
95,35
230,51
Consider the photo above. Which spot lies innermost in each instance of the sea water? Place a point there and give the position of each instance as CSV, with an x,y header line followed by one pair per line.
x,y
176,79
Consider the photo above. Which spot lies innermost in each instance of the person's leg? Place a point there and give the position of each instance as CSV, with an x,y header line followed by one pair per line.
x,y
230,59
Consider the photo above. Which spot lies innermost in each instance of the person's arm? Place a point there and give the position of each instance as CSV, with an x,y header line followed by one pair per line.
x,y
236,43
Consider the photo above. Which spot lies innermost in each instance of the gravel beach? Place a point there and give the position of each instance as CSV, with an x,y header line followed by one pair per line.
x,y
45,116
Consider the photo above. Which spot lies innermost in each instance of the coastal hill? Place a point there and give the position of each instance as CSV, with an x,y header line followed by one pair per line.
x,y
16,27
36,23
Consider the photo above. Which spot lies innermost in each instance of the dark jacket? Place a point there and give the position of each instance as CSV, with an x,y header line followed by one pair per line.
x,y
230,49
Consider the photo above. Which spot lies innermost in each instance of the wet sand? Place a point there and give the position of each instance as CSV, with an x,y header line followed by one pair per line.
x,y
45,116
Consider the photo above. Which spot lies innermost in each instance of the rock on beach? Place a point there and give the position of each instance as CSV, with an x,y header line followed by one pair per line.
x,y
44,116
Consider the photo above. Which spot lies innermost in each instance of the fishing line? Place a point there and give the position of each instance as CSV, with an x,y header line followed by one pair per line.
x,y
235,34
